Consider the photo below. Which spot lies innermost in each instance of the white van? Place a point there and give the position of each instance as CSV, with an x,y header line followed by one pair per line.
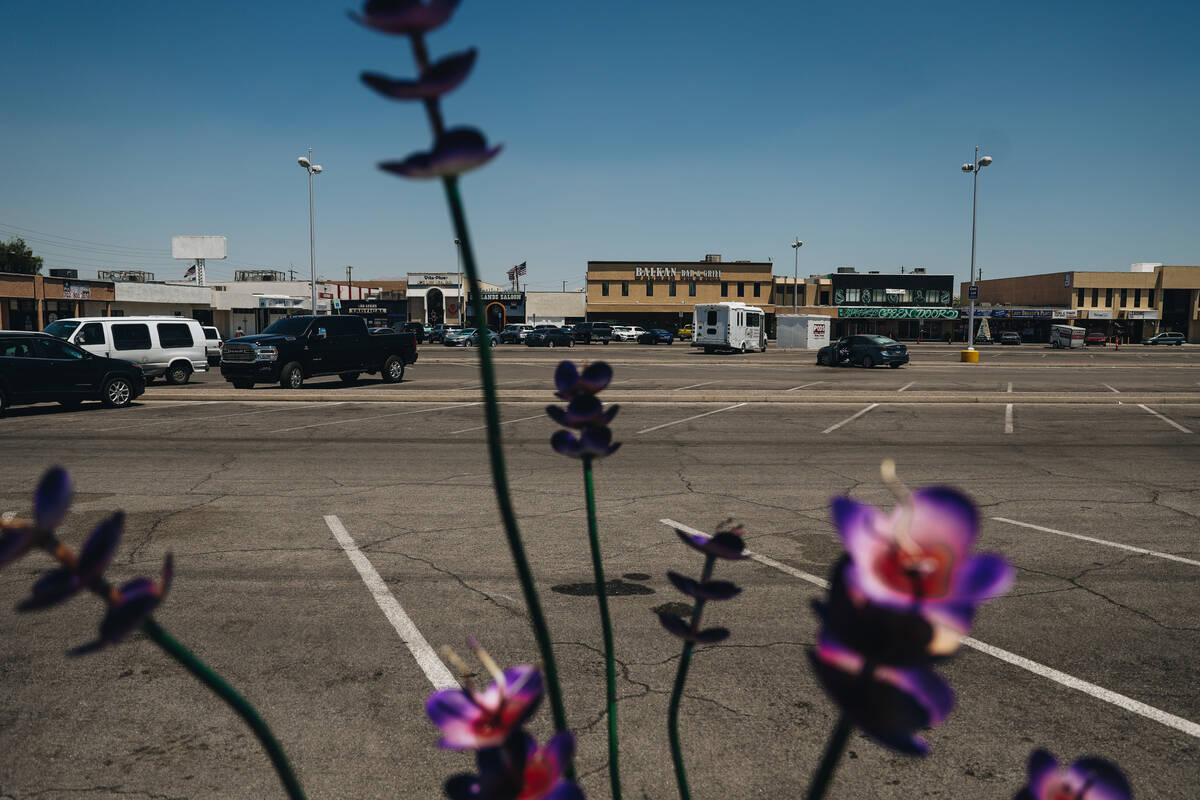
x,y
729,326
172,347
1066,336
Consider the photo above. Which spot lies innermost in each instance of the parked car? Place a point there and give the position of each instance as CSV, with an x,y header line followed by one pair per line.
x,y
294,349
550,337
417,329
656,336
40,368
1096,337
685,333
468,337
170,347
627,333
1165,338
588,332
865,350
1010,337
212,345
515,333
438,332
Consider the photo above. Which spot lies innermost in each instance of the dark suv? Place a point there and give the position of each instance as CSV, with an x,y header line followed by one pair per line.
x,y
39,368
588,332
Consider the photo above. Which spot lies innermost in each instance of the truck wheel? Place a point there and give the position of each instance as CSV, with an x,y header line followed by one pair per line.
x,y
243,384
868,362
178,374
571,343
393,370
349,377
606,341
118,392
291,376
550,343
3,400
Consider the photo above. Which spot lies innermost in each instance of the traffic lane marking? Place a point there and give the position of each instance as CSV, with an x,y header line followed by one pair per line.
x,y
803,386
1029,665
506,422
375,416
1008,418
283,406
693,386
1110,388
1167,420
688,419
905,386
426,658
851,418
1105,542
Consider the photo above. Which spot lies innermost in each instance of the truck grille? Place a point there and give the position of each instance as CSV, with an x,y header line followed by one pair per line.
x,y
238,353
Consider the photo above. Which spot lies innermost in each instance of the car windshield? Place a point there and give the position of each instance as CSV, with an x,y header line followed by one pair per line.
x,y
289,326
63,328
881,340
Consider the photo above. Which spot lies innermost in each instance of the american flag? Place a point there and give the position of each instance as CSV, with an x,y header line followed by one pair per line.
x,y
190,272
520,268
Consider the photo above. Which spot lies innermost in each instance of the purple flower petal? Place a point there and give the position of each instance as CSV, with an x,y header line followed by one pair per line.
x,y
99,548
52,498
584,411
596,376
983,577
128,615
404,16
571,383
566,375
1089,778
858,526
456,151
442,77
52,588
14,543
1042,767
942,515
706,590
595,442
1103,779
558,414
559,751
565,443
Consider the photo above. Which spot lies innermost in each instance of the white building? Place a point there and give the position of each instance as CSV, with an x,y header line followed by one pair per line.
x,y
138,298
555,308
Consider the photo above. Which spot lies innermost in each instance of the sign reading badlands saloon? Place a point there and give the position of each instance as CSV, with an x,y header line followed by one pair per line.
x,y
676,274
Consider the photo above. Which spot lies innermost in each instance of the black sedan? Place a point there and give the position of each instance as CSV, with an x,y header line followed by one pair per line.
x,y
656,336
39,368
865,350
550,337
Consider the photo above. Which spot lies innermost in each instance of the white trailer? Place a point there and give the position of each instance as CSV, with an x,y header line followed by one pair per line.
x,y
1066,336
729,326
801,331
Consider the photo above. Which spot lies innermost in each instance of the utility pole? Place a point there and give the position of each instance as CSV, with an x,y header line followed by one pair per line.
x,y
350,283
291,271
564,287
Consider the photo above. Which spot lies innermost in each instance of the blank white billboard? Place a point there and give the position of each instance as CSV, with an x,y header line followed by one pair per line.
x,y
189,247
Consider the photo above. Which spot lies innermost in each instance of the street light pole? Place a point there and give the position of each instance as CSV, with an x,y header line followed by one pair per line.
x,y
796,245
973,168
462,316
311,169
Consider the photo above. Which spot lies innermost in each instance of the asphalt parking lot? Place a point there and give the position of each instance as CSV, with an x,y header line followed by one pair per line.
x,y
1083,463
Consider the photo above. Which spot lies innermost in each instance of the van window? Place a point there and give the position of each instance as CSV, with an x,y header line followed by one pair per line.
x,y
175,334
211,334
92,333
752,319
131,336
712,316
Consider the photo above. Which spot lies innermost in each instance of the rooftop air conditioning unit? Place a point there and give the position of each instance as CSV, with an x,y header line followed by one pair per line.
x,y
64,273
713,258
873,272
918,271
846,270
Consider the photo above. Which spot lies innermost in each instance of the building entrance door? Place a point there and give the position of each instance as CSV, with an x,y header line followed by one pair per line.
x,y
495,316
435,313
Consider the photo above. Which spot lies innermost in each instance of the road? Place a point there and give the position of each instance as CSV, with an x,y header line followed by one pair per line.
x,y
1086,482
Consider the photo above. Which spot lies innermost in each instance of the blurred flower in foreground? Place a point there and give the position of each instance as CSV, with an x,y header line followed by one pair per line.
x,y
455,151
584,412
726,543
520,770
440,78
473,720
1086,779
405,16
572,383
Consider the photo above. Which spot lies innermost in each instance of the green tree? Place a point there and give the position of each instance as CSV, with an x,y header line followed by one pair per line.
x,y
16,256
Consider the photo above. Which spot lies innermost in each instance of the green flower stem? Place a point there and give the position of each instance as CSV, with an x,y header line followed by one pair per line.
x,y
205,674
610,669
685,659
829,762
499,476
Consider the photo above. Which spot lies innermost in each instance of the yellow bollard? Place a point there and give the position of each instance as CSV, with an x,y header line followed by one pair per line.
x,y
969,356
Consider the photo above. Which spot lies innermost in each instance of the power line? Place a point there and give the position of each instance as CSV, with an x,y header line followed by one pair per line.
x,y
82,241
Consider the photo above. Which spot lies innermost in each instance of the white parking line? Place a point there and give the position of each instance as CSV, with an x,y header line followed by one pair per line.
x,y
905,386
1009,389
1111,389
506,422
1104,542
693,386
689,419
375,416
804,386
284,407
427,659
1061,678
833,428
1008,418
480,385
1167,420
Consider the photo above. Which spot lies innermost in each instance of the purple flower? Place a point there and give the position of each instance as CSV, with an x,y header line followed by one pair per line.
x,y
440,78
520,770
52,498
472,720
727,544
130,606
704,590
58,585
404,16
918,559
595,442
456,151
584,411
887,703
677,627
571,383
1087,779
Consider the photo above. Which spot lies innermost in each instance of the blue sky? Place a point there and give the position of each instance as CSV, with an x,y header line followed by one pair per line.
x,y
632,130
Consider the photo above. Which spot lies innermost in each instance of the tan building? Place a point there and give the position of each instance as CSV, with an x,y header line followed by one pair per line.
x,y
1147,299
663,293
31,302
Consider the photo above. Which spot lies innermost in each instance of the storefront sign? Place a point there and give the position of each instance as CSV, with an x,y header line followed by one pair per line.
x,y
1096,313
432,279
1066,313
1022,313
77,291
675,274
1141,315
500,297
898,313
280,302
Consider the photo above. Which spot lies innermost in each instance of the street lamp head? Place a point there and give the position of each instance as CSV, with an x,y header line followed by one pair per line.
x,y
797,243
316,169
304,162
456,241
983,162
968,167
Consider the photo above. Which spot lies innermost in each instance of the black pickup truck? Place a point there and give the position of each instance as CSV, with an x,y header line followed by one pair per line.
x,y
293,349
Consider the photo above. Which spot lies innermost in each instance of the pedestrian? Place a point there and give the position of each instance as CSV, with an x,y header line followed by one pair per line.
x,y
240,333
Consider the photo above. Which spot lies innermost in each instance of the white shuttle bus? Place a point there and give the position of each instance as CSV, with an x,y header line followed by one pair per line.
x,y
729,326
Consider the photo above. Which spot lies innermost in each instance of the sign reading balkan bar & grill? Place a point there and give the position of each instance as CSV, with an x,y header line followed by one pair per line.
x,y
897,312
675,274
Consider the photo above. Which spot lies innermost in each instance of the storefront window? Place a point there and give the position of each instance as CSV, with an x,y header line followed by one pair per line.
x,y
741,289
1108,297
1095,298
624,288
649,288
852,295
1124,297
756,290
691,288
1078,297
671,289
604,288
724,289
1137,297
1150,299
